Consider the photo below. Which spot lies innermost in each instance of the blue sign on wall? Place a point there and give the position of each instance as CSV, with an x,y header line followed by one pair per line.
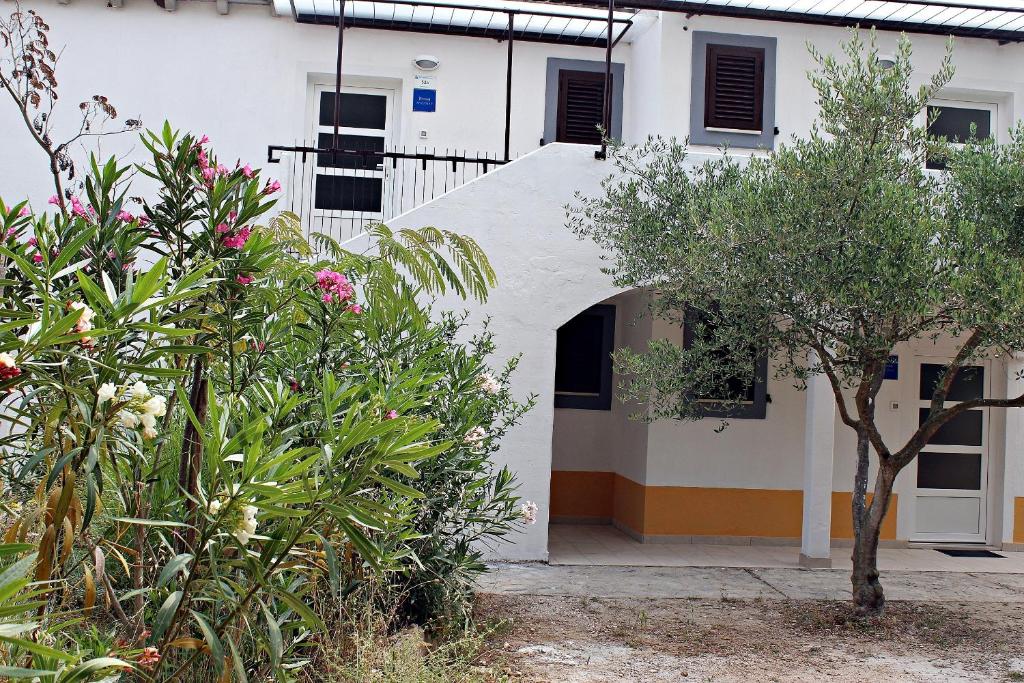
x,y
424,99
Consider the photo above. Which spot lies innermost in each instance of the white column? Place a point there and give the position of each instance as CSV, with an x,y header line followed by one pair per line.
x,y
819,447
1013,456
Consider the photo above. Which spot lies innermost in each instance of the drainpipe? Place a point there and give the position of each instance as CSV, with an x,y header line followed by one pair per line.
x,y
337,74
606,118
508,85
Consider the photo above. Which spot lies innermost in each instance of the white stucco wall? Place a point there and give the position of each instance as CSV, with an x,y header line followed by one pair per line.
x,y
608,440
244,79
545,277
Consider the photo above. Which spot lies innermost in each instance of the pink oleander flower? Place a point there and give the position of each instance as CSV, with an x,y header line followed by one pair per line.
x,y
334,286
237,241
203,140
232,215
144,220
392,414
202,160
37,258
355,308
261,346
111,254
77,208
32,242
271,187
128,266
24,212
208,174
55,200
149,656
222,169
125,216
247,171
223,227
244,279
8,367
10,233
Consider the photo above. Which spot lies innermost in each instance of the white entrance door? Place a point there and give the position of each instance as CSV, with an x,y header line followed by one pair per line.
x,y
350,191
952,470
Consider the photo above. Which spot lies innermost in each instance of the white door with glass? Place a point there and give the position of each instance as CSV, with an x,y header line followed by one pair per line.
x,y
952,469
349,191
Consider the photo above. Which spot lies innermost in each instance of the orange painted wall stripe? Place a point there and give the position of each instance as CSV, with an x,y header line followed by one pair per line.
x,y
582,494
1018,520
698,511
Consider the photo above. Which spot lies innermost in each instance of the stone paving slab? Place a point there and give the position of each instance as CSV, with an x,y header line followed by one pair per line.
x,y
742,583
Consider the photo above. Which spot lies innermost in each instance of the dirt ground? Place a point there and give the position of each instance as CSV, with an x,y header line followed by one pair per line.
x,y
588,640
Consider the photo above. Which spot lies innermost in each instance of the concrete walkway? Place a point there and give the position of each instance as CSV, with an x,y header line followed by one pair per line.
x,y
744,583
605,545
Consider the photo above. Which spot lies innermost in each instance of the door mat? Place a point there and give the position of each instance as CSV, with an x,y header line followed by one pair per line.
x,y
964,552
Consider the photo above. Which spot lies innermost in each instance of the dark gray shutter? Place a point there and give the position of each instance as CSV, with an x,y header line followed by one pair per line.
x,y
734,87
580,107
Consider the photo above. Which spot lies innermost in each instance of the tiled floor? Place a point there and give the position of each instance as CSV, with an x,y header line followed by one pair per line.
x,y
573,544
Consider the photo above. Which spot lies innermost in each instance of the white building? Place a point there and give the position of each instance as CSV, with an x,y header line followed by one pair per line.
x,y
252,76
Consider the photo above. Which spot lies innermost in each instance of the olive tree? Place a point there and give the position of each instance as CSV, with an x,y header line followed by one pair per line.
x,y
824,254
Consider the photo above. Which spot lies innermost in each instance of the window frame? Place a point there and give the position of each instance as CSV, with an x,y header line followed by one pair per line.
x,y
752,410
555,65
699,134
603,399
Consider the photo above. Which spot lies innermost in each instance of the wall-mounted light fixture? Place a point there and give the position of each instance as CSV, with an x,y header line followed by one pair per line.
x,y
426,62
886,61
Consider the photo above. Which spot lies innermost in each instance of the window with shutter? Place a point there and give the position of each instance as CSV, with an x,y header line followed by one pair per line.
x,y
580,107
734,87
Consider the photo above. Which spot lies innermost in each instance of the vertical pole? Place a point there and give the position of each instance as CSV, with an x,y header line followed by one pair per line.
x,y
508,86
337,74
606,118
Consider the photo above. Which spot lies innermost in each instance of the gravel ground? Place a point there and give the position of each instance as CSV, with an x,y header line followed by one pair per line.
x,y
579,639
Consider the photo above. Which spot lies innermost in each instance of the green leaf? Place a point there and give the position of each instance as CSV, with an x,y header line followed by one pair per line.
x,y
210,636
165,614
173,566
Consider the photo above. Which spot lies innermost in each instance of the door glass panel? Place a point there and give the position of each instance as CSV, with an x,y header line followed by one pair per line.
x,y
357,110
370,143
949,471
969,383
348,193
948,516
963,430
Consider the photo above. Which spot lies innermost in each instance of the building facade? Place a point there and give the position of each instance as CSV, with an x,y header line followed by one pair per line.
x,y
427,108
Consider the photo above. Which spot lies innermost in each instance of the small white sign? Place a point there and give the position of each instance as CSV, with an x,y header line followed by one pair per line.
x,y
422,81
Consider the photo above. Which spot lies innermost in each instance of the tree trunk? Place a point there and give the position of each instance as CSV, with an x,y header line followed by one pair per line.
x,y
192,453
868,596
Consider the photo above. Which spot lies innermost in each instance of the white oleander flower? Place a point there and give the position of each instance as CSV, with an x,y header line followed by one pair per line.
x,y
475,436
128,419
148,420
148,433
214,507
140,391
156,406
7,360
529,512
84,323
489,383
106,392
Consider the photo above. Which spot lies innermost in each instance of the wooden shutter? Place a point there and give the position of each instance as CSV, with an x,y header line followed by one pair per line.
x,y
580,107
734,87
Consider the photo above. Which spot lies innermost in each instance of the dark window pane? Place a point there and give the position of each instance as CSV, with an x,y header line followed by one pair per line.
x,y
949,471
969,383
736,387
370,143
357,111
347,193
963,430
954,123
578,358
